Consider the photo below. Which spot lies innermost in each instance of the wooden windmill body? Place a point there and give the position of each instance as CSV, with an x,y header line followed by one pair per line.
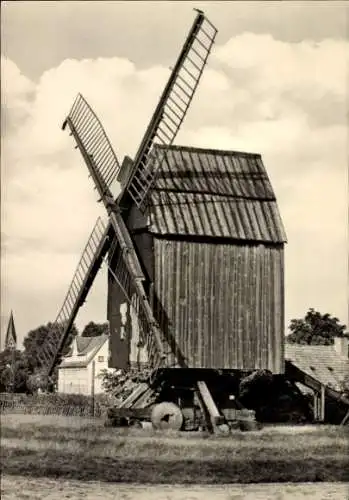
x,y
194,248
211,242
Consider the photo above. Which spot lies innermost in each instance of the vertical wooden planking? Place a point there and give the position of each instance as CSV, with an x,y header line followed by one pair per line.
x,y
224,289
219,341
275,306
177,256
198,318
229,331
263,307
251,306
191,299
279,318
183,272
213,302
255,306
208,253
267,305
234,306
232,317
172,289
193,310
270,308
248,313
227,286
199,295
241,307
243,292
233,309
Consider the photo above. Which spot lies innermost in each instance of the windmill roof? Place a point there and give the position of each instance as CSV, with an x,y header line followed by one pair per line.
x,y
86,348
321,362
206,192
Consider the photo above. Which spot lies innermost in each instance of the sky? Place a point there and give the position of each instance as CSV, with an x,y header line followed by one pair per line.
x,y
276,84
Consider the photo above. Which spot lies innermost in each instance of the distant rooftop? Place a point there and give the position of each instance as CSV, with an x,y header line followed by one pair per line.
x,y
321,362
86,348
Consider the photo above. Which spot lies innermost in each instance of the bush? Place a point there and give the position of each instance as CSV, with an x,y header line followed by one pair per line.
x,y
273,398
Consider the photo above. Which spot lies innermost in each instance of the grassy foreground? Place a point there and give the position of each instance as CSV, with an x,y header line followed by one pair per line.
x,y
74,448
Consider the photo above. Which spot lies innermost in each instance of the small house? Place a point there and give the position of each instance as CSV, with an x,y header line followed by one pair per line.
x,y
80,370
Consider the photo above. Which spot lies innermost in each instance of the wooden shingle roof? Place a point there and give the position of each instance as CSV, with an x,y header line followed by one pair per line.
x,y
223,194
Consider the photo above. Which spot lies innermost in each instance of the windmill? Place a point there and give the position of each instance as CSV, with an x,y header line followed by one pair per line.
x,y
233,198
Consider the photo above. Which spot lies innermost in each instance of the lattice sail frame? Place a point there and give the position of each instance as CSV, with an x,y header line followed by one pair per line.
x,y
88,266
94,144
172,108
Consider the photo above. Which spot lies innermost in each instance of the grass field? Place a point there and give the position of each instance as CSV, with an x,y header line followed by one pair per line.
x,y
82,449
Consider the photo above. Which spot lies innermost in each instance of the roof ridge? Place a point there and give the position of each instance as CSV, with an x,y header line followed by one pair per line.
x,y
208,150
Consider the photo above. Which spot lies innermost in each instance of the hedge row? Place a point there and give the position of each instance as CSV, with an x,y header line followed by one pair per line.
x,y
55,404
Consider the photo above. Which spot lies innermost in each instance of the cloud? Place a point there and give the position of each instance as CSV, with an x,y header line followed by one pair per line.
x,y
309,69
284,100
16,94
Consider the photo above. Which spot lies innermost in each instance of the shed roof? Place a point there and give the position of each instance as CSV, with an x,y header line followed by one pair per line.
x,y
319,361
206,192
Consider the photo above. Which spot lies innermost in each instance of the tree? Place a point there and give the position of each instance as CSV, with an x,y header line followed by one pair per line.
x,y
315,329
95,329
14,371
40,380
35,339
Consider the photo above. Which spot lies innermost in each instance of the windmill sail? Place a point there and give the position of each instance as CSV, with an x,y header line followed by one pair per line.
x,y
124,242
86,271
172,107
123,238
94,144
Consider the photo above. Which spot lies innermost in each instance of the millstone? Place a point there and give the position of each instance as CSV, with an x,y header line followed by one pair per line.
x,y
166,416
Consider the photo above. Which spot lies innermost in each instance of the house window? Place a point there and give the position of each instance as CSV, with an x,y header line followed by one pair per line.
x,y
100,358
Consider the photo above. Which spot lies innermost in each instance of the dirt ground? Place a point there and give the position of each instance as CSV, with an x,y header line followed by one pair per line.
x,y
22,488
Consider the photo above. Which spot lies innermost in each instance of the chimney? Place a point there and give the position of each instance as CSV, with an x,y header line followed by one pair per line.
x,y
341,346
125,170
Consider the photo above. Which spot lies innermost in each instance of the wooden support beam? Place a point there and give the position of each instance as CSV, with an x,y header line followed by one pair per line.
x,y
345,419
316,406
198,399
215,417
